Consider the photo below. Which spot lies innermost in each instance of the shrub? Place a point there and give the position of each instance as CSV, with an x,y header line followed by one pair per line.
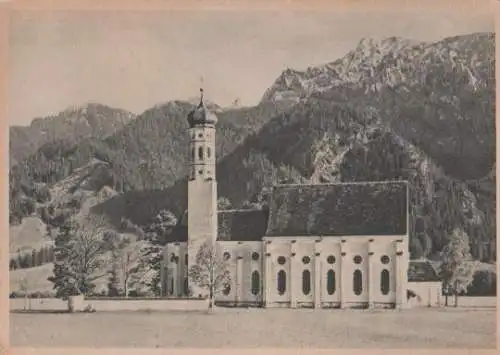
x,y
483,284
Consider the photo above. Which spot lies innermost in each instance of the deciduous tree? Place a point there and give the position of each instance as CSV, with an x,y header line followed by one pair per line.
x,y
78,255
210,271
457,269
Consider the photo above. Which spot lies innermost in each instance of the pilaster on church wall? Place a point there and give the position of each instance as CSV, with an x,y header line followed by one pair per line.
x,y
278,247
330,246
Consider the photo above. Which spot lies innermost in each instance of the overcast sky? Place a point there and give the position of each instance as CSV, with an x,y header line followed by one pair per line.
x,y
134,60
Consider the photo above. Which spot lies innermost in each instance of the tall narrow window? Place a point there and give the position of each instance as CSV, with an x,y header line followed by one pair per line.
x,y
281,282
255,283
384,282
192,154
330,282
171,288
200,153
357,282
209,152
306,282
186,287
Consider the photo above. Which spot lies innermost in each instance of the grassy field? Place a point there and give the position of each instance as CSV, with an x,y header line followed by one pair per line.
x,y
248,328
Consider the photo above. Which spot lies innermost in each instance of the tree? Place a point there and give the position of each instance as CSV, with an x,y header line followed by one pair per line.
x,y
223,203
157,234
124,262
78,255
457,269
210,271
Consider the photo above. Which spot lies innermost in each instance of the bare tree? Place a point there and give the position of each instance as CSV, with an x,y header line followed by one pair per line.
x,y
24,287
125,262
79,251
210,272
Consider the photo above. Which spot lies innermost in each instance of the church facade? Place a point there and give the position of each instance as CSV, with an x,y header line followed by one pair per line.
x,y
316,245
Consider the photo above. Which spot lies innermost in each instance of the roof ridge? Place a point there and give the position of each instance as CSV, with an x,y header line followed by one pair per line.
x,y
241,210
345,183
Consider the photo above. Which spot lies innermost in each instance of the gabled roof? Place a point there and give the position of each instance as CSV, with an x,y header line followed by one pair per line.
x,y
422,271
242,225
235,225
339,209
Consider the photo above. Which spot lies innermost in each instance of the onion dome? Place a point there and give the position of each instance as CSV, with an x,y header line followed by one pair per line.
x,y
201,115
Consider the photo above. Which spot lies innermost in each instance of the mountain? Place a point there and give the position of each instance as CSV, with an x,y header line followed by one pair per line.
x,y
146,154
72,125
389,109
368,116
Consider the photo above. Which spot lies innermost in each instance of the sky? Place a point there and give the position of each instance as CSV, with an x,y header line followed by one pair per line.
x,y
134,60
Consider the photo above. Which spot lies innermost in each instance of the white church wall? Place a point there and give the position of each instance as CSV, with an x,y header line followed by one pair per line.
x,y
329,258
278,250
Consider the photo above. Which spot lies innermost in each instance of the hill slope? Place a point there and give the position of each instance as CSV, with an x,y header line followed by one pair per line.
x,y
72,124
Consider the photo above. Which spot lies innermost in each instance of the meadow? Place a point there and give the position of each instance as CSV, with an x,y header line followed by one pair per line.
x,y
470,326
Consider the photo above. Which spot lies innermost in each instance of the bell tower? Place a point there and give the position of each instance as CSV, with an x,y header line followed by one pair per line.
x,y
202,185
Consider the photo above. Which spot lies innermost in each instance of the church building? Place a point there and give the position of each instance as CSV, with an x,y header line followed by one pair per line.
x,y
334,245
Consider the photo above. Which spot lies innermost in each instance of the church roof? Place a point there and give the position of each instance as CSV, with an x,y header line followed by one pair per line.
x,y
234,225
422,271
242,225
339,209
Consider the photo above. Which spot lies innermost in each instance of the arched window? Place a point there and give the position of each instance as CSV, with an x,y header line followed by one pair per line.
x,y
227,289
357,282
384,282
281,282
330,282
306,282
255,283
200,153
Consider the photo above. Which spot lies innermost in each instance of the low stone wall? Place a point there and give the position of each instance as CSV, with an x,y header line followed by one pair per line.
x,y
428,294
103,305
38,304
181,304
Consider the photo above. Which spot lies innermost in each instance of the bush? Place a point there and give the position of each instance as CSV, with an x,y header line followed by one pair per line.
x,y
483,284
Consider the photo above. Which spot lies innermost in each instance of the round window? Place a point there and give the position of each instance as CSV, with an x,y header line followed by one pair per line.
x,y
281,260
385,259
255,256
306,260
227,256
227,289
330,259
200,135
358,259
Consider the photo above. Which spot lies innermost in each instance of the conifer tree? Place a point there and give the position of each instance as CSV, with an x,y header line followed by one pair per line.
x,y
157,234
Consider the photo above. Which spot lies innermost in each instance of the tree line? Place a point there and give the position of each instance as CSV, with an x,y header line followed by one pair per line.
x,y
26,260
